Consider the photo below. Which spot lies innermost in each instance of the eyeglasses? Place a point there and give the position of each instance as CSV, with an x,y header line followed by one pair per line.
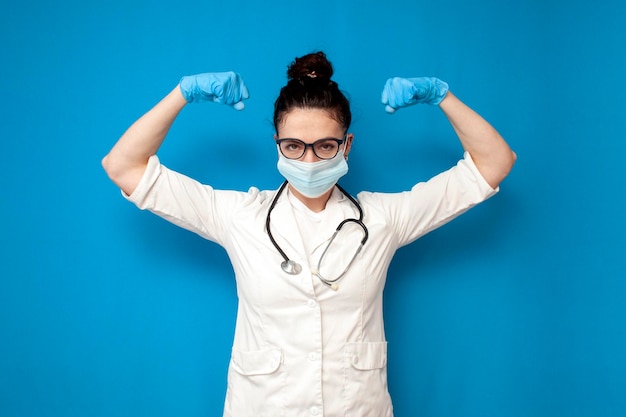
x,y
326,148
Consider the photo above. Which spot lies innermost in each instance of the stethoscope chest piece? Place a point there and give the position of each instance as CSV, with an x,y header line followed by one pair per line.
x,y
291,267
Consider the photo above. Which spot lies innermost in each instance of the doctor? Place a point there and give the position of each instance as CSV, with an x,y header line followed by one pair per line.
x,y
310,260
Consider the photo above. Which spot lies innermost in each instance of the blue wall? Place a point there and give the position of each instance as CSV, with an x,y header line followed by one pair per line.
x,y
515,309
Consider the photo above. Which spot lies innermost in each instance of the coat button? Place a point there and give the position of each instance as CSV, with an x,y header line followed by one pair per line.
x,y
312,303
312,356
314,411
355,359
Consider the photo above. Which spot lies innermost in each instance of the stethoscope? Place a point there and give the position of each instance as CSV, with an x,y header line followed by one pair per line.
x,y
292,267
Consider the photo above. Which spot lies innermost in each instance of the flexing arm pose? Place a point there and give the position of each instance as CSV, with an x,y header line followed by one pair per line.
x,y
127,160
276,366
491,154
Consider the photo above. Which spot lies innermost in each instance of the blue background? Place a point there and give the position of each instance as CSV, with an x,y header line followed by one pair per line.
x,y
515,309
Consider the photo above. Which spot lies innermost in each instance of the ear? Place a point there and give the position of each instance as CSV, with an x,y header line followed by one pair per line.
x,y
349,139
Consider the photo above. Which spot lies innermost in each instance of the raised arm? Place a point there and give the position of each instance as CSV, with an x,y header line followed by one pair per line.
x,y
127,160
491,154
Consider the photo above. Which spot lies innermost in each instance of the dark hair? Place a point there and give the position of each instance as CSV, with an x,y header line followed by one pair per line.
x,y
310,86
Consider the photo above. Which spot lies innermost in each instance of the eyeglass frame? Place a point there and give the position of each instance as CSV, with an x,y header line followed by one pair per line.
x,y
312,146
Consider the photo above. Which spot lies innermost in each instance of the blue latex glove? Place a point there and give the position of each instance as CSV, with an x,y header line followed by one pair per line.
x,y
218,87
402,92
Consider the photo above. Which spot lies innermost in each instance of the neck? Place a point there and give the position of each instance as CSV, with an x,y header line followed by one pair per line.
x,y
315,204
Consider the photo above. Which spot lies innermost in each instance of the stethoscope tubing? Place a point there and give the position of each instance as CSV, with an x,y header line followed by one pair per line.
x,y
267,222
293,268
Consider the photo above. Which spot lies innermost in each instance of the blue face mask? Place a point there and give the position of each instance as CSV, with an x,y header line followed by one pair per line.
x,y
312,179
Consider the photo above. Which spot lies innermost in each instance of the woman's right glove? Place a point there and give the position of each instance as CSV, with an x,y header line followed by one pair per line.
x,y
401,92
218,87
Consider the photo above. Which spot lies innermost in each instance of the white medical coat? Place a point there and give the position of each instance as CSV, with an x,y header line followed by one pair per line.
x,y
300,348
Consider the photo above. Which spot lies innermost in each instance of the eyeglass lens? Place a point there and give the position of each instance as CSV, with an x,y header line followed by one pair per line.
x,y
323,148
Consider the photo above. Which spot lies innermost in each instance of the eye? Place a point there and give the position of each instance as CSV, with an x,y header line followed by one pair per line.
x,y
327,145
292,145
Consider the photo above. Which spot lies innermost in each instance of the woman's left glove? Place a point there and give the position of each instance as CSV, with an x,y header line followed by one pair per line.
x,y
218,87
401,92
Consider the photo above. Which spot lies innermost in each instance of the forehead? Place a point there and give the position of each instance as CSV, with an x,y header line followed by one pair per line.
x,y
309,124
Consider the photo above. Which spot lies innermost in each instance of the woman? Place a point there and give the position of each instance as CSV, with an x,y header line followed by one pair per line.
x,y
309,337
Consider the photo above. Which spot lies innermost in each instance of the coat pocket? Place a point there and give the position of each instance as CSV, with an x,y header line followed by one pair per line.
x,y
256,385
368,355
365,385
256,362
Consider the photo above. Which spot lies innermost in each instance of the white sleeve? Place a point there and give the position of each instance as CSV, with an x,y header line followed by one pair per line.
x,y
431,204
186,202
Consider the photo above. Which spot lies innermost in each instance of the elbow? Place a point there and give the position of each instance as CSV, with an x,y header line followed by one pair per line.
x,y
495,171
504,168
512,159
114,170
108,166
126,176
105,163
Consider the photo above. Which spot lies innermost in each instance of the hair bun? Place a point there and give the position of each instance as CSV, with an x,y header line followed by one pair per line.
x,y
313,66
310,87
